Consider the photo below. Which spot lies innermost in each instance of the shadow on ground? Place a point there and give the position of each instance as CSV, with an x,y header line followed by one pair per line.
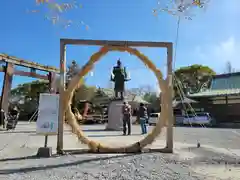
x,y
203,156
47,167
18,158
16,132
93,130
111,135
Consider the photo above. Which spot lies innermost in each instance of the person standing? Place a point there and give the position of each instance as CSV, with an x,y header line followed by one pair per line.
x,y
143,115
2,118
14,112
126,111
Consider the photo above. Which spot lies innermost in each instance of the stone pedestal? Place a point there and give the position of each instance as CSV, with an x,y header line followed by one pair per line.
x,y
115,122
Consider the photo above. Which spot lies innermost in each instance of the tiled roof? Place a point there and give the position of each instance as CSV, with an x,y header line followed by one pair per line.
x,y
221,85
228,82
185,100
109,92
220,92
129,96
137,99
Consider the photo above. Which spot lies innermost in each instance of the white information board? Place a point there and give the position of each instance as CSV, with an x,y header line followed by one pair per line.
x,y
47,121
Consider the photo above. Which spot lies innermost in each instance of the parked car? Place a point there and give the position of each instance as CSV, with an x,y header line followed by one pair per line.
x,y
95,119
153,118
203,118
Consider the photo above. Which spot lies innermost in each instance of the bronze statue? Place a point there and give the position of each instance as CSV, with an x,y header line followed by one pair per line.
x,y
119,76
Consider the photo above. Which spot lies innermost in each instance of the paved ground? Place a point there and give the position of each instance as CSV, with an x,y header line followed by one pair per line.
x,y
218,157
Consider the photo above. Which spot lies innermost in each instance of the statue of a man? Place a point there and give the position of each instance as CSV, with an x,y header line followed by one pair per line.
x,y
119,76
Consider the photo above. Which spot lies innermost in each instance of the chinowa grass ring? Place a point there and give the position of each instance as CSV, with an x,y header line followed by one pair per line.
x,y
77,81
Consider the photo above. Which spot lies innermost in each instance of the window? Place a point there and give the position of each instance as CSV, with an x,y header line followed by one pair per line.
x,y
219,102
189,116
202,114
154,115
233,101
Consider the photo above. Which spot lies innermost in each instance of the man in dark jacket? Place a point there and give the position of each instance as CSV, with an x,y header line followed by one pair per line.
x,y
14,112
126,111
143,115
2,118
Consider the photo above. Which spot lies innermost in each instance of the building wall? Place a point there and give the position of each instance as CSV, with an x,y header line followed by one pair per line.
x,y
224,109
222,104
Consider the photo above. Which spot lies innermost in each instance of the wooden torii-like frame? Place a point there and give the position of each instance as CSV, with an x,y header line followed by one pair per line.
x,y
8,64
167,85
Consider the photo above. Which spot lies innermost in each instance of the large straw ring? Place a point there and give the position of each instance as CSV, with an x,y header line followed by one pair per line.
x,y
77,81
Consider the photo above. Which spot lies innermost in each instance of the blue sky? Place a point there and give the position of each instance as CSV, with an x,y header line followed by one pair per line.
x,y
211,38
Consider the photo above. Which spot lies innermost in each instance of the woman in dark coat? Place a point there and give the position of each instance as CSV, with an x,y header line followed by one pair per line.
x,y
143,116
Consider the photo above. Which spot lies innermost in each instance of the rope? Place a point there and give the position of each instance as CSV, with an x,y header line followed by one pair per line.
x,y
178,82
33,116
176,42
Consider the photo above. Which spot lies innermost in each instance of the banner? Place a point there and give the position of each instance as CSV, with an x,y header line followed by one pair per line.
x,y
47,121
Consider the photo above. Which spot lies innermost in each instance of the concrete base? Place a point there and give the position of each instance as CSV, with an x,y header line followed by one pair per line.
x,y
44,152
115,122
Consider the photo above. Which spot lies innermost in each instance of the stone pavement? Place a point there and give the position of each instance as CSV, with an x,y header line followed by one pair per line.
x,y
219,153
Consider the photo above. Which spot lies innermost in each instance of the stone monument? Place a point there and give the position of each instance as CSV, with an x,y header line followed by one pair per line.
x,y
119,77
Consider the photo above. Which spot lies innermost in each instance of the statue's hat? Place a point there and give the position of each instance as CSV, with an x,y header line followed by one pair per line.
x,y
119,61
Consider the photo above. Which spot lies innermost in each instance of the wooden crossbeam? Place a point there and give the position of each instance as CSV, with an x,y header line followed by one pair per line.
x,y
28,64
114,43
30,74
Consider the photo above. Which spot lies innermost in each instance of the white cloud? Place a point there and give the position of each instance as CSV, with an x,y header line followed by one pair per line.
x,y
217,55
226,50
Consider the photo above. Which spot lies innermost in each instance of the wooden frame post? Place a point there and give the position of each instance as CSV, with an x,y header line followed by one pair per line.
x,y
7,84
61,94
169,140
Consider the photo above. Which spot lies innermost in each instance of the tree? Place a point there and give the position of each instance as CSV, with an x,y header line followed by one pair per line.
x,y
141,91
150,97
84,92
26,97
191,79
28,91
72,70
148,94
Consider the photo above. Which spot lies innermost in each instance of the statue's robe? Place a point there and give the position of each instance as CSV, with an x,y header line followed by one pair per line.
x,y
119,77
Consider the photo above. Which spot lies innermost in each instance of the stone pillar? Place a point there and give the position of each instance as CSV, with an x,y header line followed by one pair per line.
x,y
7,84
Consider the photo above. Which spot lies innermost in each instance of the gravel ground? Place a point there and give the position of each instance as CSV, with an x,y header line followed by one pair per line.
x,y
121,167
198,163
18,162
